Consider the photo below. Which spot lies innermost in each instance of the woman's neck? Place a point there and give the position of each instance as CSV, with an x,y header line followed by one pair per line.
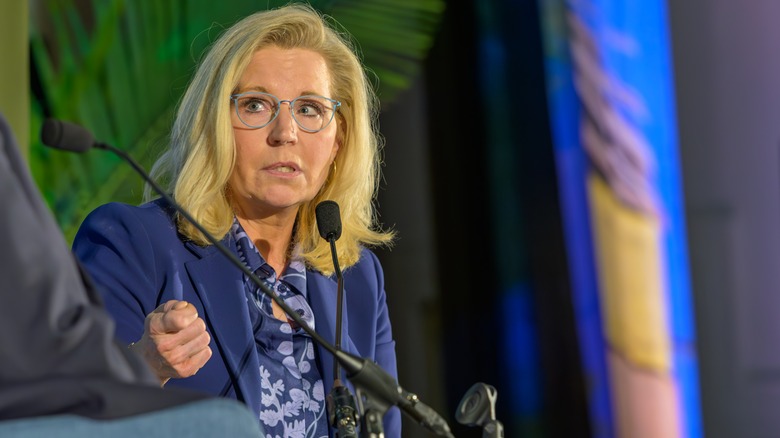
x,y
271,235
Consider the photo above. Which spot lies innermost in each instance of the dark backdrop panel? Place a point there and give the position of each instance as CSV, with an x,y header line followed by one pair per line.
x,y
479,195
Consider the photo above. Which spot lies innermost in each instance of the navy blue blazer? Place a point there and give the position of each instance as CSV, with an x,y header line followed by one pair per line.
x,y
139,261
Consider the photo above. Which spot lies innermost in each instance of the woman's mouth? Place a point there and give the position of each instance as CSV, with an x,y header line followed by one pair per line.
x,y
285,169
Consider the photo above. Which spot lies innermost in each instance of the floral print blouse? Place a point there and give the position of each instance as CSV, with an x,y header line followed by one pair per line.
x,y
293,399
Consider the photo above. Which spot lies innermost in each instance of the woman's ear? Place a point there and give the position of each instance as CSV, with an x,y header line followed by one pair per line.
x,y
341,131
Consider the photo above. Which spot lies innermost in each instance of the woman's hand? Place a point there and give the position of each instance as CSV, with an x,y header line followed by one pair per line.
x,y
175,342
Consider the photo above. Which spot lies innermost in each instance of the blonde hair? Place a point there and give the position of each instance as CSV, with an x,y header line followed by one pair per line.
x,y
201,155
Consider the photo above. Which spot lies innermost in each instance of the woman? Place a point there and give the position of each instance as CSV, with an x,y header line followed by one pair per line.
x,y
278,117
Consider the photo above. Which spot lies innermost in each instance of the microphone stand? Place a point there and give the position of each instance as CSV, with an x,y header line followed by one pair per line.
x,y
380,389
372,409
341,404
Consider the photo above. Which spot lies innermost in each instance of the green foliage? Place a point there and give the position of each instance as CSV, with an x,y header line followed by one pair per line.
x,y
118,67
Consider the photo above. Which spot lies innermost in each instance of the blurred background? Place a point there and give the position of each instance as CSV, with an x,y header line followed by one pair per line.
x,y
585,192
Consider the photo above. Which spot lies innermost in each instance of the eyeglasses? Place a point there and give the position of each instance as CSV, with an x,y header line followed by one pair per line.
x,y
312,113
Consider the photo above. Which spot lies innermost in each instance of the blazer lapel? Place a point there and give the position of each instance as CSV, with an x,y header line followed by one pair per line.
x,y
321,293
219,284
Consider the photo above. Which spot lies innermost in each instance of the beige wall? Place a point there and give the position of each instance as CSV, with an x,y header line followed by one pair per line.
x,y
14,73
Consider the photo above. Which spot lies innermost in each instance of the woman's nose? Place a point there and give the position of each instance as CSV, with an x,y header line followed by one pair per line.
x,y
283,129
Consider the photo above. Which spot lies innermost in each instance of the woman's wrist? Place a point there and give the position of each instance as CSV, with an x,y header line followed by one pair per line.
x,y
137,347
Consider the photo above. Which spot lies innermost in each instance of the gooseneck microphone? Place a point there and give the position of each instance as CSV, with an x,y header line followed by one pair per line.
x,y
342,411
363,373
329,225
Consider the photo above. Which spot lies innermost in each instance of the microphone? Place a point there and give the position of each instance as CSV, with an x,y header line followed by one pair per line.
x,y
66,136
329,225
342,412
329,222
363,373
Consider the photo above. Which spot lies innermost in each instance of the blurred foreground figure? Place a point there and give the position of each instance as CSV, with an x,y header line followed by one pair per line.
x,y
57,349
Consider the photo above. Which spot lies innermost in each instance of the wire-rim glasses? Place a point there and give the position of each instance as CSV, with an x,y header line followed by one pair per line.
x,y
312,113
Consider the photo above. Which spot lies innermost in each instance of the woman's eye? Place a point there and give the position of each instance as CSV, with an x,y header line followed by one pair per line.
x,y
256,105
311,109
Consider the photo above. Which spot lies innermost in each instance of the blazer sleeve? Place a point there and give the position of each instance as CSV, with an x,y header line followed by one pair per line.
x,y
116,250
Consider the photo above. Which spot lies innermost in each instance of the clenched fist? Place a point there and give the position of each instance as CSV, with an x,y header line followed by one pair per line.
x,y
175,342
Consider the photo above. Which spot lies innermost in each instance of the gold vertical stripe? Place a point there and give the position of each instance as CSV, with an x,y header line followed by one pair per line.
x,y
631,279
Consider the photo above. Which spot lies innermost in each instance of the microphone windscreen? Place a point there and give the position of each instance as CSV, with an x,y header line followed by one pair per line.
x,y
328,220
66,136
